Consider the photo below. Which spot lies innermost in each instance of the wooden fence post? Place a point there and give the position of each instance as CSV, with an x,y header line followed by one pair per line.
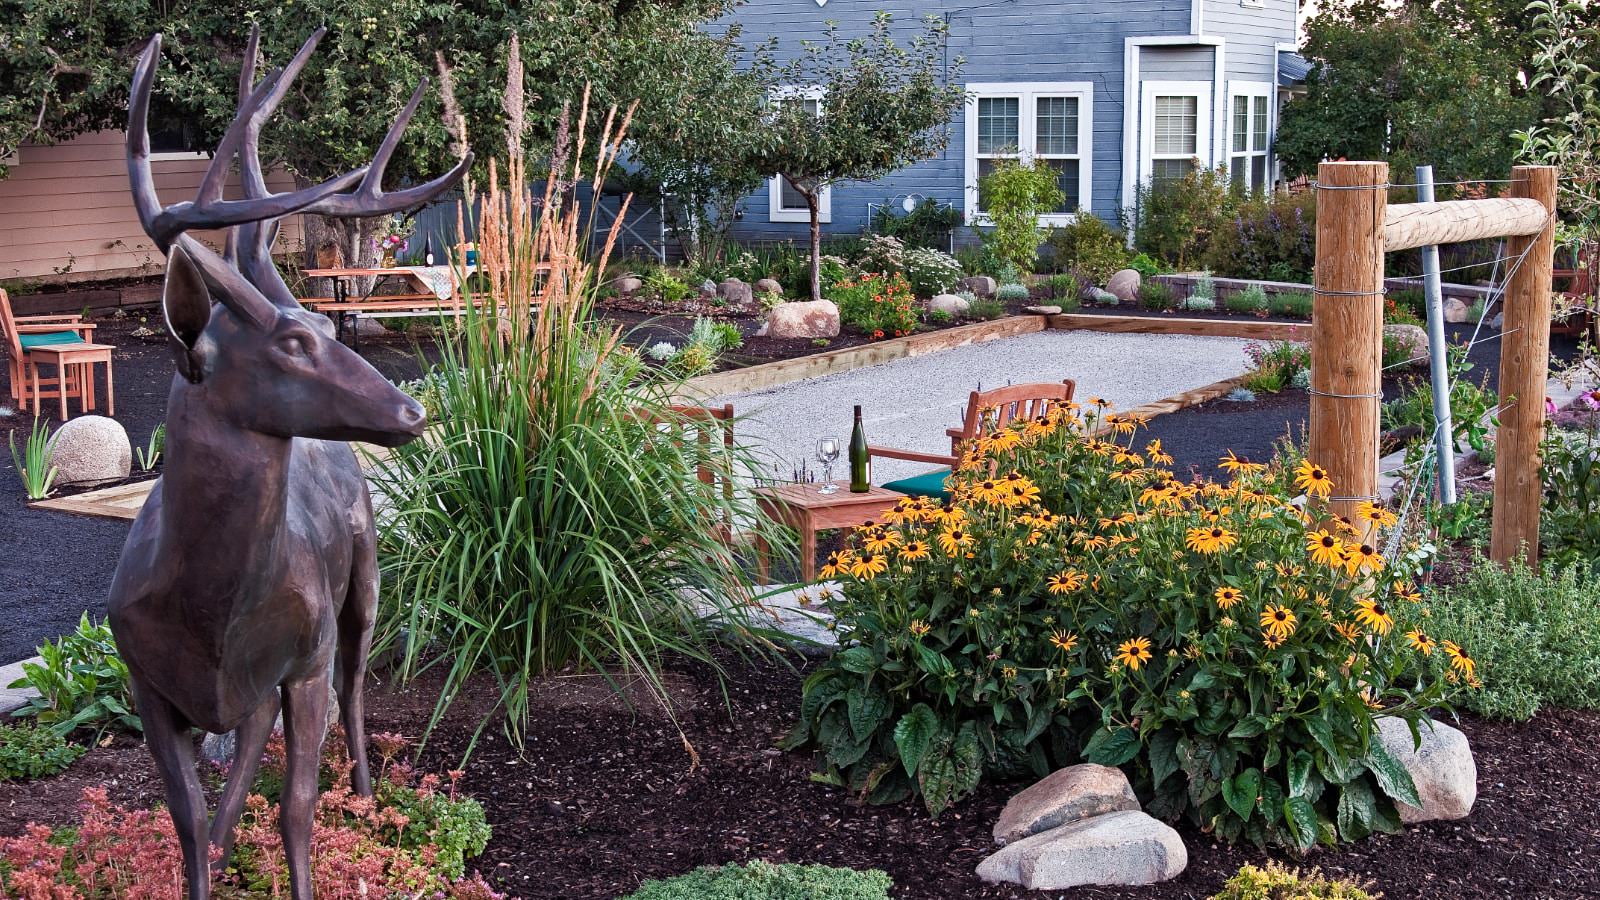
x,y
1524,369
1347,328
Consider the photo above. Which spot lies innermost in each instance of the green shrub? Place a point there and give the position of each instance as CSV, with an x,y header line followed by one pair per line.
x,y
28,752
986,310
930,271
1014,292
1174,221
1155,295
1278,883
667,286
1397,313
1535,636
1471,404
1250,300
980,259
938,317
1145,265
1413,301
1066,289
1269,236
1079,602
1263,382
1297,304
1015,194
1199,304
881,253
1570,528
759,880
552,521
81,682
716,336
876,305
1090,247
1281,360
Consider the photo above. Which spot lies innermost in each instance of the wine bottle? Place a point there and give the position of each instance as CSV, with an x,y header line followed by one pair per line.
x,y
860,461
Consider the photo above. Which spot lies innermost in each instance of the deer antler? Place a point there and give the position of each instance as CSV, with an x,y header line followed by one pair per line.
x,y
208,209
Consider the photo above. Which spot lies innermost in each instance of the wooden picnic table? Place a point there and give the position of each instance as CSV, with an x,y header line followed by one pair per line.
x,y
347,305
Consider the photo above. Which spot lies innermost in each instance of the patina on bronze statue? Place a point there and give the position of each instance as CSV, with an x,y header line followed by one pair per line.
x,y
250,578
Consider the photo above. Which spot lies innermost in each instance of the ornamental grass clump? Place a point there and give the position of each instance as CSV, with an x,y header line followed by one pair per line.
x,y
565,514
1231,647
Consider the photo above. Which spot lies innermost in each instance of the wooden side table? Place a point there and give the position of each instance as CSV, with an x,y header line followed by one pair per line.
x,y
803,508
73,360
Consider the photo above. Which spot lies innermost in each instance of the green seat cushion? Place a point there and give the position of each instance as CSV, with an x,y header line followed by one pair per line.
x,y
928,484
49,339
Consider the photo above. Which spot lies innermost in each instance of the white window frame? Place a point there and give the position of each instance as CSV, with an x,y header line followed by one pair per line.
x,y
1201,91
1028,94
1254,90
1254,4
776,211
175,155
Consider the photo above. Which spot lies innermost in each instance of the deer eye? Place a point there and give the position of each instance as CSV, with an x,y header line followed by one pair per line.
x,y
295,346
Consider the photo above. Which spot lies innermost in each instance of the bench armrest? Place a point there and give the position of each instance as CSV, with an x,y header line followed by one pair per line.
x,y
63,319
913,455
38,328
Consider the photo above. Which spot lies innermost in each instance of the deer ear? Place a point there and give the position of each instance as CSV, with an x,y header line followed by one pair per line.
x,y
186,306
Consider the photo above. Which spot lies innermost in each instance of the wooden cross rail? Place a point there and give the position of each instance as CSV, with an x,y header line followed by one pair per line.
x,y
1355,227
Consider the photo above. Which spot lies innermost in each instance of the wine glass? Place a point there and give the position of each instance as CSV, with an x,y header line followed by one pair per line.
x,y
827,452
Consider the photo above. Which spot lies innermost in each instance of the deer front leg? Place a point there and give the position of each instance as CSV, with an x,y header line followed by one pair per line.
x,y
249,741
355,640
305,724
167,733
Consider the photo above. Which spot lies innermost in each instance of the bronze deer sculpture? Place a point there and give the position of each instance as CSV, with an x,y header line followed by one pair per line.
x,y
250,579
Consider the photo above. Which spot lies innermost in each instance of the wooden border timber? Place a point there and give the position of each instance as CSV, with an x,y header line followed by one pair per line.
x,y
1234,328
756,378
1181,401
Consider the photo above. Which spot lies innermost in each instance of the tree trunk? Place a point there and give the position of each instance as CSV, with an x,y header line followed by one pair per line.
x,y
816,243
353,239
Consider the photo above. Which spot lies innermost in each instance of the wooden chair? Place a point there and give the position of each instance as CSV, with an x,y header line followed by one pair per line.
x,y
705,426
25,333
1580,288
996,408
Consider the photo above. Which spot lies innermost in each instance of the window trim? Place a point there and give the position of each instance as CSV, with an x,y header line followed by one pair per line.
x,y
1201,91
1028,93
1266,93
776,211
177,155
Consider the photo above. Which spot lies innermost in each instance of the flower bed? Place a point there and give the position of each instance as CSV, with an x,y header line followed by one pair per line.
x,y
1230,648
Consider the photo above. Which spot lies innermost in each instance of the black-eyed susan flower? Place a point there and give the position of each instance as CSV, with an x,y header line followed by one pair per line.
x,y
1421,641
1064,641
1008,672
953,541
1368,511
1134,652
1272,640
1362,558
1325,548
1066,581
1127,458
838,564
1231,462
1373,615
868,565
1118,520
914,551
948,515
1405,590
1156,454
1350,631
1210,539
1004,439
1091,541
1459,660
988,491
880,539
1122,423
1313,479
1227,596
1127,475
1278,620
918,628
1287,570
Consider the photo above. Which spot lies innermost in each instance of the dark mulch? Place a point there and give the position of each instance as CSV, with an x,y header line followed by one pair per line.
x,y
601,799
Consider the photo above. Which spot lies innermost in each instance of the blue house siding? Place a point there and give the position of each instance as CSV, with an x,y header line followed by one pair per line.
x,y
1070,41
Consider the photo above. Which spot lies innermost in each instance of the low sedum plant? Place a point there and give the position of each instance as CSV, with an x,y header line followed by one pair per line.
x,y
759,880
1231,647
1277,882
28,752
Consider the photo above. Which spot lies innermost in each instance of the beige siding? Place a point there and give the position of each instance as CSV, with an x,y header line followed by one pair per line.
x,y
65,210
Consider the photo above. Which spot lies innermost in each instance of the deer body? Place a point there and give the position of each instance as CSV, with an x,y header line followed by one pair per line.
x,y
249,581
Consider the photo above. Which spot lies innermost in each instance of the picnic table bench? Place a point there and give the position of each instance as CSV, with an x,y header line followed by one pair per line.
x,y
432,297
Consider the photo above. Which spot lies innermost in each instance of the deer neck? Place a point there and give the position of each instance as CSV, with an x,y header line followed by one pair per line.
x,y
223,494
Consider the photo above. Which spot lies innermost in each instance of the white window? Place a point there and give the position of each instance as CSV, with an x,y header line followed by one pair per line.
x,y
784,203
1250,130
1052,122
1175,129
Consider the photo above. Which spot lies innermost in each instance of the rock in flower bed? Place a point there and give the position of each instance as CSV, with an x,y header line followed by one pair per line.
x,y
1232,650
